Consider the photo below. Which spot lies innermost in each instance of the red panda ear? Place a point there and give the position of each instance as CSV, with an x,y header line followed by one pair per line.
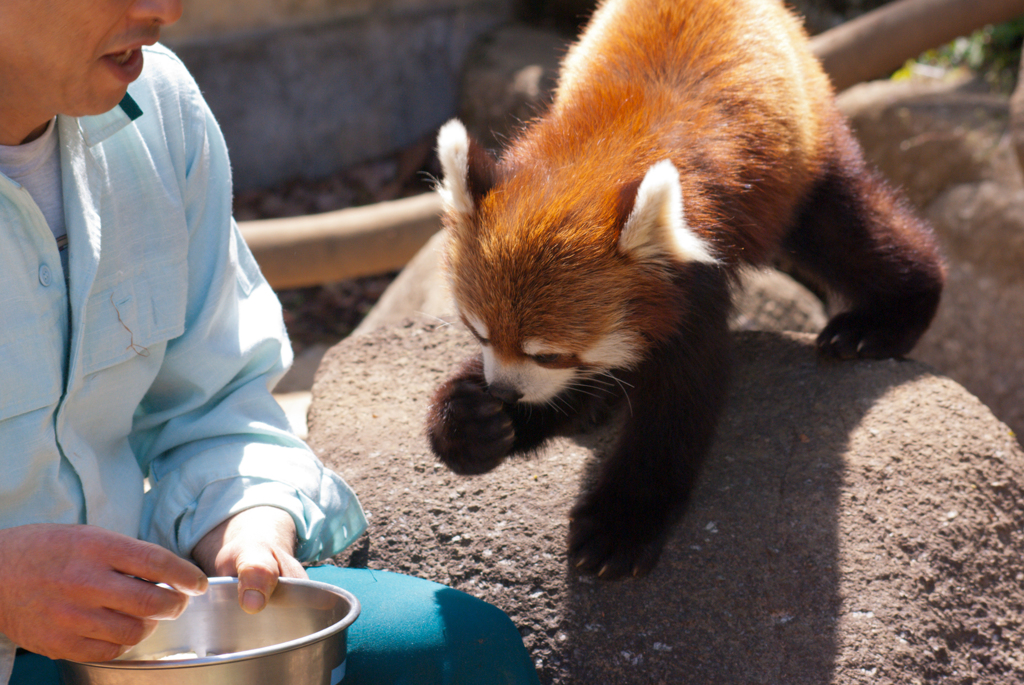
x,y
656,229
469,170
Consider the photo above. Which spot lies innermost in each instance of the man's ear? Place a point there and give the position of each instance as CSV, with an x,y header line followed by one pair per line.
x,y
469,171
655,229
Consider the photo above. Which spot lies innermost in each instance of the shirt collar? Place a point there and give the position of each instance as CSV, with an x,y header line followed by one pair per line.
x,y
96,129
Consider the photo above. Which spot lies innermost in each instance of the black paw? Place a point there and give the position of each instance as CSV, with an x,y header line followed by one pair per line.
x,y
853,335
469,430
616,539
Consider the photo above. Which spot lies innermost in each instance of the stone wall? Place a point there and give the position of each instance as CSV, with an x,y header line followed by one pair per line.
x,y
204,19
302,88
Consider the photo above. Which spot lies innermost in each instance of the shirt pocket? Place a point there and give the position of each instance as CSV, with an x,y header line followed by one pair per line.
x,y
30,364
144,308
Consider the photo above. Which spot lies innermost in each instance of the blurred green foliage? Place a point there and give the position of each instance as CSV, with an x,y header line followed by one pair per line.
x,y
993,53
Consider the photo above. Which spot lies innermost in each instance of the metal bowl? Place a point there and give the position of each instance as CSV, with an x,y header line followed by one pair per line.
x,y
300,637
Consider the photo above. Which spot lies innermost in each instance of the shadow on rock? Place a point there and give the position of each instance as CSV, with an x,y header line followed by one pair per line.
x,y
749,582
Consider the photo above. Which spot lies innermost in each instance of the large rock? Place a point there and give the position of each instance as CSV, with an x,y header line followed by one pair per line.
x,y
419,289
1017,116
928,136
978,334
856,522
948,146
509,77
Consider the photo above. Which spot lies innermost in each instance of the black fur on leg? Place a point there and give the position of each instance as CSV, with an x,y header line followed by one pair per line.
x,y
862,241
619,527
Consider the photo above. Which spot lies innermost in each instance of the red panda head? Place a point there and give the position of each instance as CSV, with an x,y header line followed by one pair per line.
x,y
561,276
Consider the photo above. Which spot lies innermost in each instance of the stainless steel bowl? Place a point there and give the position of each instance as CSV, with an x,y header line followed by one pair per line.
x,y
300,637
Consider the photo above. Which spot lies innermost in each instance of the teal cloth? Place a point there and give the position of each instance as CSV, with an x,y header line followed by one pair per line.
x,y
32,669
414,631
410,632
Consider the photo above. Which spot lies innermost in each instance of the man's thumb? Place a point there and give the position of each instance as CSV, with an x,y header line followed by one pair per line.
x,y
256,582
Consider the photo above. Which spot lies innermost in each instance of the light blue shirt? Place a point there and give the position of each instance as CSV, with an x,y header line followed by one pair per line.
x,y
158,358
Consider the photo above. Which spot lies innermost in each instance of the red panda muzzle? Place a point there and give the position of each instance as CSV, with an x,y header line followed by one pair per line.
x,y
505,393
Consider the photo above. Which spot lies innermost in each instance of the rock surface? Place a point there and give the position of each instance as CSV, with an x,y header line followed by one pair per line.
x,y
929,136
856,522
509,78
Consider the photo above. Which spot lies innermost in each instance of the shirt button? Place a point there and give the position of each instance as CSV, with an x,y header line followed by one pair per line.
x,y
45,277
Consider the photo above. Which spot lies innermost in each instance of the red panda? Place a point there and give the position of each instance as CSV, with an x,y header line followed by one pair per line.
x,y
593,261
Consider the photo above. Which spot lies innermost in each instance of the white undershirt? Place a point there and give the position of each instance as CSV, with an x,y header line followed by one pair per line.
x,y
36,167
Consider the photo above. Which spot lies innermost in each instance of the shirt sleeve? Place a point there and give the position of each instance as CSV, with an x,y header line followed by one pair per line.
x,y
209,434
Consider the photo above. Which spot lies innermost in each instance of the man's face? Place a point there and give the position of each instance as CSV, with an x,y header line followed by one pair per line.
x,y
73,57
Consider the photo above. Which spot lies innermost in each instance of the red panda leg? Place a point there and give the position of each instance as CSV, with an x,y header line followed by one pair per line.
x,y
856,236
618,527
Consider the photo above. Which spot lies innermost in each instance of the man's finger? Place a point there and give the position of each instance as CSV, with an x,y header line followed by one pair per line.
x,y
143,599
87,649
257,577
155,563
117,628
289,565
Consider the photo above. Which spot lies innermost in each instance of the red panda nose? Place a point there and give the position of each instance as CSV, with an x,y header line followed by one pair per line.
x,y
504,392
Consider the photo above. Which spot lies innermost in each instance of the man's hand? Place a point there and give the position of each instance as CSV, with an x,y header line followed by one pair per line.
x,y
68,591
256,545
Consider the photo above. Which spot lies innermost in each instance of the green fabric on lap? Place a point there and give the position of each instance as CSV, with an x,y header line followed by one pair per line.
x,y
32,669
413,631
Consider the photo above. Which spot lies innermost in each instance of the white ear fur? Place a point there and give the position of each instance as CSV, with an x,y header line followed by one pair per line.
x,y
656,228
453,153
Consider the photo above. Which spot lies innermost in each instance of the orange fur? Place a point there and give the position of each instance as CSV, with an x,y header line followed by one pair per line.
x,y
726,89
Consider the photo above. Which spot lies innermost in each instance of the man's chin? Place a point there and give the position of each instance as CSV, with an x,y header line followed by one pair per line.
x,y
99,103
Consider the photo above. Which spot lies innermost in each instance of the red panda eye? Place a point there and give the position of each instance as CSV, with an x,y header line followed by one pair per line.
x,y
546,358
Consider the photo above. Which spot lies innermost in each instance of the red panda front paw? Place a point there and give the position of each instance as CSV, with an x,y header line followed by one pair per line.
x,y
613,539
469,429
866,335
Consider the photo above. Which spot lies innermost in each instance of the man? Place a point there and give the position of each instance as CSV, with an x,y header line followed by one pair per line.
x,y
138,340
138,343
